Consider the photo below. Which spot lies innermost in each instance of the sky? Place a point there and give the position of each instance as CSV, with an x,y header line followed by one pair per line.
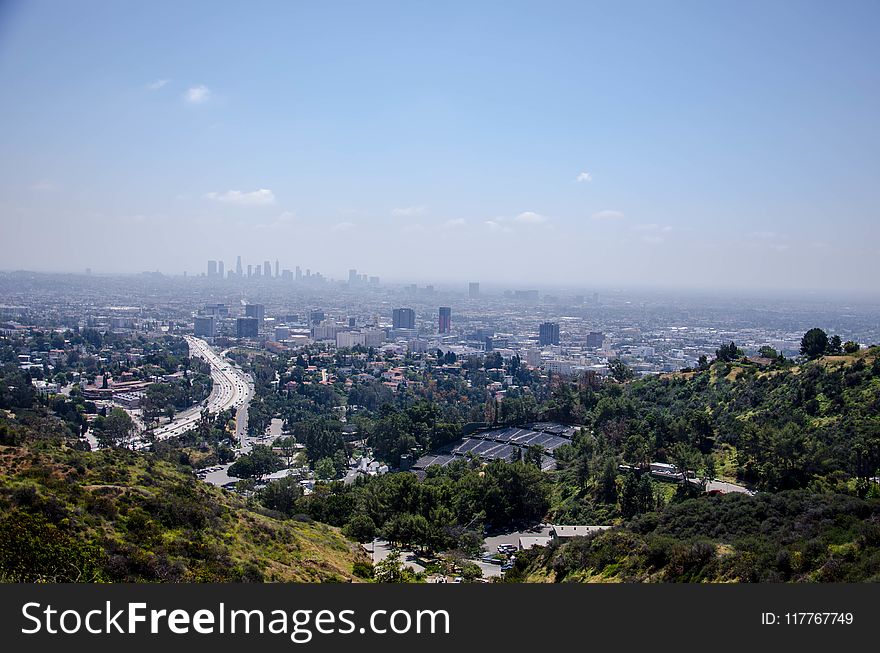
x,y
679,144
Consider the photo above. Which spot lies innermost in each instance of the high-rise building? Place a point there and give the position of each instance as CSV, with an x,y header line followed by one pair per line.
x,y
221,272
205,326
247,327
212,268
595,339
255,310
267,269
250,270
238,266
473,289
548,333
277,267
287,275
352,277
403,318
445,320
217,310
316,316
351,322
299,273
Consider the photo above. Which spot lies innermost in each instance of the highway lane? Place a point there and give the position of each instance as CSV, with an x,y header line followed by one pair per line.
x,y
232,388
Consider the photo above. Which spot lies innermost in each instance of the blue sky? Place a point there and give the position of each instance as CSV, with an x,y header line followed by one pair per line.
x,y
633,143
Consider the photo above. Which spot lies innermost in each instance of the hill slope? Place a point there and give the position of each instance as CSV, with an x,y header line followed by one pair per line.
x,y
113,515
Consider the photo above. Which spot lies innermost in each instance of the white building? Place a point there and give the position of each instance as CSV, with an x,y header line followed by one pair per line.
x,y
349,339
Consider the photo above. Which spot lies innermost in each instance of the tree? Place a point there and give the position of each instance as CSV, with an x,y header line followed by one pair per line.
x,y
361,528
620,371
814,343
637,495
391,570
288,447
325,469
851,347
281,495
470,571
728,353
259,462
768,352
834,346
684,457
703,363
118,429
709,470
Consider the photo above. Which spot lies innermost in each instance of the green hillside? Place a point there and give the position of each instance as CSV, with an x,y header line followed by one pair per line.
x,y
805,436
115,515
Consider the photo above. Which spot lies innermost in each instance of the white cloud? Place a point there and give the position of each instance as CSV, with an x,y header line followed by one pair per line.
x,y
409,211
653,227
584,177
455,222
343,226
159,83
608,214
261,197
197,94
530,217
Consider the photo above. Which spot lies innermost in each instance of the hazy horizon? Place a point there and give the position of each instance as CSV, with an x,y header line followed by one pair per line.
x,y
688,145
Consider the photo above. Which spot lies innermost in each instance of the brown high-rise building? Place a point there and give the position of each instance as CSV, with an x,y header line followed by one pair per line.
x,y
445,320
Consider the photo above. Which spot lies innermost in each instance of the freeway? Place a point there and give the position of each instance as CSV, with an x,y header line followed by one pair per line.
x,y
232,388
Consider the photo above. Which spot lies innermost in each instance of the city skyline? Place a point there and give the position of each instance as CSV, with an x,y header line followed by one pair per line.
x,y
686,146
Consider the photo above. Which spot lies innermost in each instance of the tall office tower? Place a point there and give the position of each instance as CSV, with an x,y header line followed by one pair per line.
x,y
255,310
403,318
247,327
445,323
267,269
220,270
595,339
473,289
217,310
258,271
287,275
352,277
212,268
316,316
238,266
205,326
351,322
548,333
277,266
250,270
299,273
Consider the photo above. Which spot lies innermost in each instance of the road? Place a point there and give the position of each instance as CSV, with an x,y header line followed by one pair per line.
x,y
232,388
